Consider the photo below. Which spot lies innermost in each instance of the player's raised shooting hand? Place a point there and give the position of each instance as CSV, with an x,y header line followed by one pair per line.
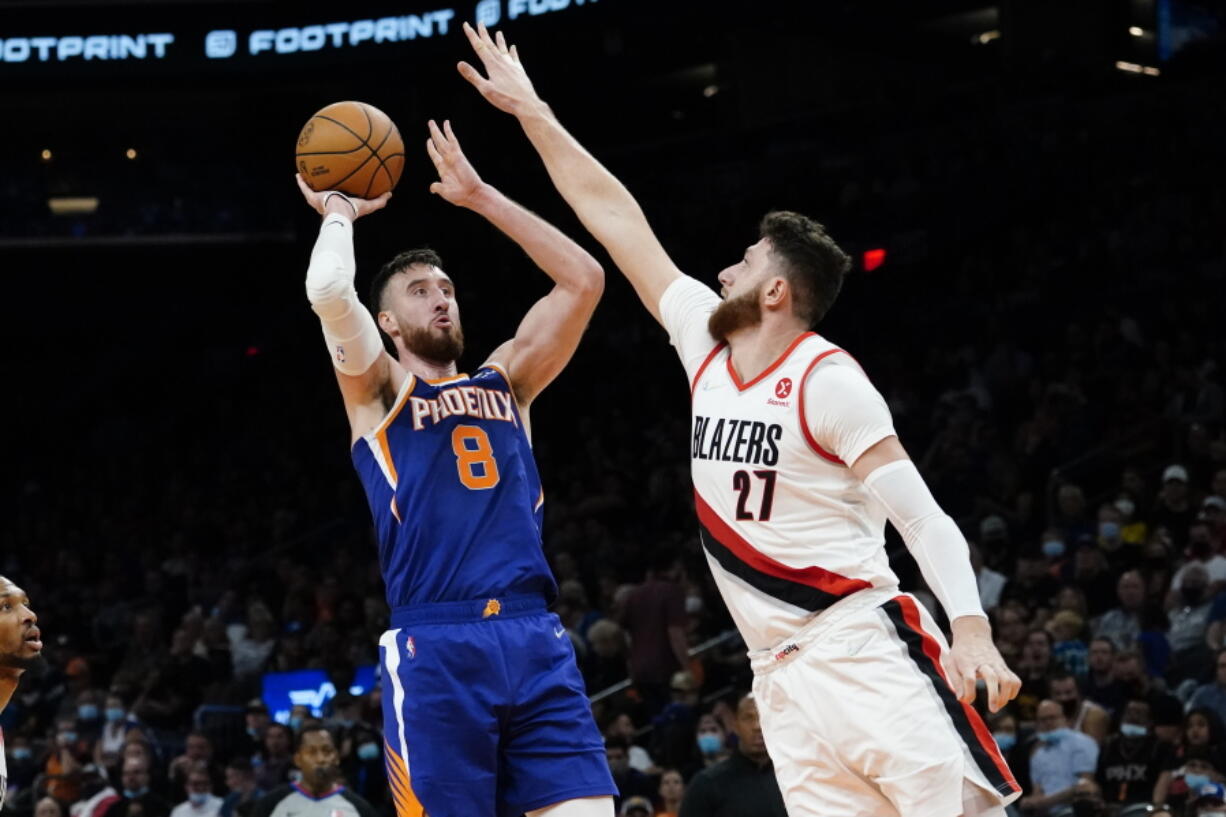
x,y
506,84
329,201
973,656
457,182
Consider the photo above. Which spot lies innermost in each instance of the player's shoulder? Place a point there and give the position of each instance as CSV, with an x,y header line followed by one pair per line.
x,y
829,362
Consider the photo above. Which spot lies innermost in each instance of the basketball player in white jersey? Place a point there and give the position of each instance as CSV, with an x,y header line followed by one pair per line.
x,y
21,648
796,468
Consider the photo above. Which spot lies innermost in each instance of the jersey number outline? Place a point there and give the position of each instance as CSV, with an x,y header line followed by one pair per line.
x,y
479,453
743,484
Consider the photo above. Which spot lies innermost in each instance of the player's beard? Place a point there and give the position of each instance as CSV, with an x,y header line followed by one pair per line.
x,y
741,312
36,664
436,344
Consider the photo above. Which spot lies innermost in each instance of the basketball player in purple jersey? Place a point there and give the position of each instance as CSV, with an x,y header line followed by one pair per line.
x,y
485,712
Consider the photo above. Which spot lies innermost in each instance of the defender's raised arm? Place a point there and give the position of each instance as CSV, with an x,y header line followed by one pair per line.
x,y
603,203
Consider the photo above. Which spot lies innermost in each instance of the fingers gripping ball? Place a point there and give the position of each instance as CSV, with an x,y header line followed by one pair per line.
x,y
351,147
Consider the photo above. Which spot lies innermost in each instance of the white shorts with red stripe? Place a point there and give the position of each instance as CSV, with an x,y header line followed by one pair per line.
x,y
860,721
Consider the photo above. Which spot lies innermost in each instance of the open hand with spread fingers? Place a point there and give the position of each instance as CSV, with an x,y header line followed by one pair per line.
x,y
506,84
457,182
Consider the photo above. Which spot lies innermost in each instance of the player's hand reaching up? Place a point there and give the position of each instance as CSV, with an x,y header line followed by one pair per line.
x,y
974,656
457,181
332,201
507,87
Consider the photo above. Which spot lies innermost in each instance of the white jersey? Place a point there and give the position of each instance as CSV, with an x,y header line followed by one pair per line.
x,y
787,528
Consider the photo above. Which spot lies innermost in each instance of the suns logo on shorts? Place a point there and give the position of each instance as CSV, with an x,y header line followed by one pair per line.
x,y
492,608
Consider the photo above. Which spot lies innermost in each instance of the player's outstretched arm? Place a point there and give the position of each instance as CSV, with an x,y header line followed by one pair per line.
x,y
364,369
942,555
550,332
603,203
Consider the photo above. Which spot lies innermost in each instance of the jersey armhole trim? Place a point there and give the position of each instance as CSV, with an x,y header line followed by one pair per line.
x,y
719,347
804,424
379,435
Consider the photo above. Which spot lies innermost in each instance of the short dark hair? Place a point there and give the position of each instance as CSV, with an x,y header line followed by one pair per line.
x,y
402,261
310,730
813,264
241,764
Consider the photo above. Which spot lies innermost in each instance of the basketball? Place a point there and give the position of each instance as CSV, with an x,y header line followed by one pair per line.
x,y
351,147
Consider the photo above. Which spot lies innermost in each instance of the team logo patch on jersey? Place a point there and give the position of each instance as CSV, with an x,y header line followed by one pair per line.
x,y
783,388
492,608
410,647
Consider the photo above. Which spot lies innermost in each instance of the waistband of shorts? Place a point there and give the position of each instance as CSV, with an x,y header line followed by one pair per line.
x,y
455,612
765,660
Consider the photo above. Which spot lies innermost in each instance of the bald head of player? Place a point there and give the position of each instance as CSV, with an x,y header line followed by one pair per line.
x,y
21,646
415,305
792,275
749,731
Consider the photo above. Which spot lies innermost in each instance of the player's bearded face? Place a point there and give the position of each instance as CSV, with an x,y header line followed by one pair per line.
x,y
738,312
440,344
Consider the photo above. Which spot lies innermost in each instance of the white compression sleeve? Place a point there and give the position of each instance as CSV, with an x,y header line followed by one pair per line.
x,y
349,330
934,540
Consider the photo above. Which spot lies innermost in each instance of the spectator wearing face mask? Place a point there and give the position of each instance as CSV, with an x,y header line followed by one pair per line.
x,y
741,785
1012,744
1081,715
1132,762
1122,624
114,729
64,762
200,802
1110,536
1202,553
712,743
138,800
1193,779
1061,757
1173,510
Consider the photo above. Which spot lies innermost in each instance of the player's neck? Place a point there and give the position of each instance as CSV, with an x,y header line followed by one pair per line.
x,y
756,347
8,685
427,369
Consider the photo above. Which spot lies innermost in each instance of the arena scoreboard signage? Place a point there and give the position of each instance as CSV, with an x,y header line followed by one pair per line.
x,y
229,35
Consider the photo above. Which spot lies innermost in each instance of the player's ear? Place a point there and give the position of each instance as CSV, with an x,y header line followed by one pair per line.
x,y
387,324
775,291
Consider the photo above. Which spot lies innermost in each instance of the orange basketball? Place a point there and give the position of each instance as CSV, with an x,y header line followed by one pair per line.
x,y
351,147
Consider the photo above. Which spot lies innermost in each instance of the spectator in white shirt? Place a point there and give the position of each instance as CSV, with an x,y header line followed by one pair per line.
x,y
200,802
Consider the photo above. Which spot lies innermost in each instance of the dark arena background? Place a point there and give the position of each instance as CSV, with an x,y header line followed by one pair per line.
x,y
1032,192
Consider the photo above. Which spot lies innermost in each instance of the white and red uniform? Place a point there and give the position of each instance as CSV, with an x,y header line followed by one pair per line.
x,y
851,691
4,772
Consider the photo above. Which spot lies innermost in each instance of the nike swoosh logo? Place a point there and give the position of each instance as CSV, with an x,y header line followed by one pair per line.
x,y
708,385
558,633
